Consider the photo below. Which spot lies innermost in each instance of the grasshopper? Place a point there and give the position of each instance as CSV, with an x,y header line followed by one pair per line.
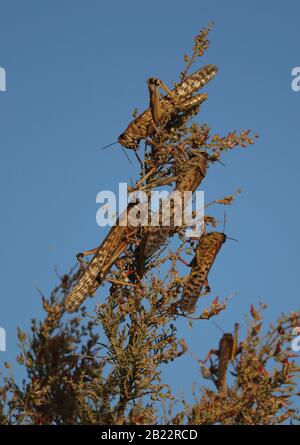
x,y
114,244
189,178
228,349
205,254
180,99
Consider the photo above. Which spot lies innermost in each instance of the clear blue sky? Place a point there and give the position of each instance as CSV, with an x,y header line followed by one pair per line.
x,y
75,71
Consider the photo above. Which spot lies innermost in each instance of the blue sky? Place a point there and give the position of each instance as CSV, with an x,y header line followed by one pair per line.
x,y
75,71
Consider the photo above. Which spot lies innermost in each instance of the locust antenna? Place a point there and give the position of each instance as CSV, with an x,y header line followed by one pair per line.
x,y
109,145
124,151
224,223
217,326
113,143
139,159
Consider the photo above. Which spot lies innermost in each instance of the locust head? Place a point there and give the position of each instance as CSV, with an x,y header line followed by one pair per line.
x,y
127,141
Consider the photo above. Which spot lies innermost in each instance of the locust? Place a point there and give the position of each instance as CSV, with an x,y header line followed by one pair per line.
x,y
205,254
189,178
228,349
114,244
179,100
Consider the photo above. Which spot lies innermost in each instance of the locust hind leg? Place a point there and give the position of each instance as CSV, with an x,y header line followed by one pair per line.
x,y
156,110
213,368
80,257
210,353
